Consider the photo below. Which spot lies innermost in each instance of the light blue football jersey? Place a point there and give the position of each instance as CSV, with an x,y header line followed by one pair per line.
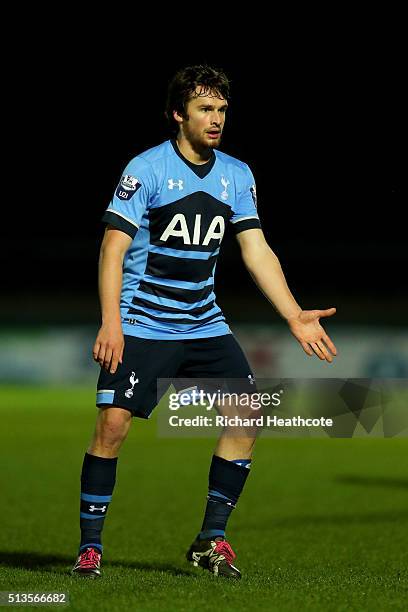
x,y
177,212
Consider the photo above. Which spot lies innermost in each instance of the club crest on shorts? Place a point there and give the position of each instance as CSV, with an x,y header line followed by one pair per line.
x,y
133,381
127,187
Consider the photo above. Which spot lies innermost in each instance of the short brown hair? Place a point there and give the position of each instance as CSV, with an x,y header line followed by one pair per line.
x,y
184,83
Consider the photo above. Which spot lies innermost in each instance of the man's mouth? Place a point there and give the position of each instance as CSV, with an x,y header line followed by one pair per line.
x,y
214,133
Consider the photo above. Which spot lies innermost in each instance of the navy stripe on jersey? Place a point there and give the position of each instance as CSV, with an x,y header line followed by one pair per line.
x,y
245,224
176,293
121,222
187,254
137,301
193,270
216,316
159,302
159,315
169,282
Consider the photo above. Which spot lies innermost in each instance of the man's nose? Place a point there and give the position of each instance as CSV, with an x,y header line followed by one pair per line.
x,y
216,118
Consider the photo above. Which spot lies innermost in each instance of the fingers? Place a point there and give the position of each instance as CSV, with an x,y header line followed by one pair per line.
x,y
114,364
325,352
101,355
307,349
327,313
330,344
322,351
95,351
317,350
116,358
108,358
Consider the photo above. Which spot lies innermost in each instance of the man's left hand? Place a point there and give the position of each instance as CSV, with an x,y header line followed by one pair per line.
x,y
311,335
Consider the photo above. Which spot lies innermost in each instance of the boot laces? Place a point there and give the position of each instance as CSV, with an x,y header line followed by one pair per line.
x,y
223,548
90,558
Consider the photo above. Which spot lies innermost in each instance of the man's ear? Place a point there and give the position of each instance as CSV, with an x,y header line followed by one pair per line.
x,y
177,117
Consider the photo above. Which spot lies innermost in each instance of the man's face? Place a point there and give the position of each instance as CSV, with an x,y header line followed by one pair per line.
x,y
205,119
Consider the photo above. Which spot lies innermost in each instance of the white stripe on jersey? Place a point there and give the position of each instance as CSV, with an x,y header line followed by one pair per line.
x,y
243,219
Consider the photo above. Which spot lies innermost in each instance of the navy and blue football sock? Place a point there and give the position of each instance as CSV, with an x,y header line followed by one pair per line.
x,y
226,481
97,482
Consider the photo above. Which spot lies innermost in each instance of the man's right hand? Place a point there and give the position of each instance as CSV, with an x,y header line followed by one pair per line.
x,y
108,347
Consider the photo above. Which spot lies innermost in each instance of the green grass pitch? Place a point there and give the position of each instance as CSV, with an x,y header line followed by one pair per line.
x,y
321,525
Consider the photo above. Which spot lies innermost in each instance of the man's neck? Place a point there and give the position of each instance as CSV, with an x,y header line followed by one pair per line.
x,y
193,155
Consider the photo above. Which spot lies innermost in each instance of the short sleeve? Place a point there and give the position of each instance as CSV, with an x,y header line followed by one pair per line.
x,y
131,197
245,214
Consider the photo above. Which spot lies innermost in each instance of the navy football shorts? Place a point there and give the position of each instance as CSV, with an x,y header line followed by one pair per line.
x,y
184,362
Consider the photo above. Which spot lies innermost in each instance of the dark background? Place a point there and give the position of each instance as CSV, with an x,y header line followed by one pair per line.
x,y
321,128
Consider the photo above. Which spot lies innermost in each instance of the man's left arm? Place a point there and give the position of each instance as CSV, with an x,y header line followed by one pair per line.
x,y
265,269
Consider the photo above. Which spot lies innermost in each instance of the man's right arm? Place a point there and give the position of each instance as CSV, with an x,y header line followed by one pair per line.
x,y
109,344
